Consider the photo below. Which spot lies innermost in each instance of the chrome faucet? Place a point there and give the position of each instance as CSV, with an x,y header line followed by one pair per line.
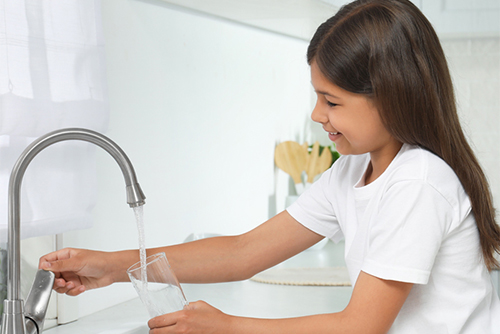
x,y
28,318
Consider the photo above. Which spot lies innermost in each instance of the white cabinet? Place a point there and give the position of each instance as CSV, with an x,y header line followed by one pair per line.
x,y
300,18
296,18
459,17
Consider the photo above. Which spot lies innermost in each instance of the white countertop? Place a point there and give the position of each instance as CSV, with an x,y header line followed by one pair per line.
x,y
245,298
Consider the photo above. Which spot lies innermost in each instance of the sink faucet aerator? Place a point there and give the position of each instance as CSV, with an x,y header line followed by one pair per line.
x,y
27,318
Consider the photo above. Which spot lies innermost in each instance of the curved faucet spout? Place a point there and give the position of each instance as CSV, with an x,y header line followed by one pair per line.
x,y
135,196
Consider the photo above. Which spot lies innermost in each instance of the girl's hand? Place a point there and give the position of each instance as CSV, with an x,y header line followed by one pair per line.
x,y
197,318
78,270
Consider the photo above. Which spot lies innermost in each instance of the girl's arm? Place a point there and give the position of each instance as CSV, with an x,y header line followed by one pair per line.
x,y
374,305
233,258
219,259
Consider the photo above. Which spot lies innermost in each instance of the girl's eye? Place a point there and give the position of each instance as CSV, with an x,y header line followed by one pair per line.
x,y
331,104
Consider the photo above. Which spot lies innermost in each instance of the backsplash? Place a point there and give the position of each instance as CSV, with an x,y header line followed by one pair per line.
x,y
475,68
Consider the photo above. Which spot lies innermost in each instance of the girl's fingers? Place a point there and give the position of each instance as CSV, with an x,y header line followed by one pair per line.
x,y
59,283
60,290
54,256
69,288
165,320
76,291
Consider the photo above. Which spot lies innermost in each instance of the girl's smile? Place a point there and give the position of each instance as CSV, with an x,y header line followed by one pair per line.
x,y
334,136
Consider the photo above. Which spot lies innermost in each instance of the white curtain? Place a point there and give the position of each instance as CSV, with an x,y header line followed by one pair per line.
x,y
52,76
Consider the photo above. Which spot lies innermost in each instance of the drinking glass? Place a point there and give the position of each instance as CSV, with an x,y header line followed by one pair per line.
x,y
161,292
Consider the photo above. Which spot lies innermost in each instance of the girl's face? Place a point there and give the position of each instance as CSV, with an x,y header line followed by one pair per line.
x,y
351,120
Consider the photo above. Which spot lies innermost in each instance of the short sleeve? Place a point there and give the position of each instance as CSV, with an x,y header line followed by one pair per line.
x,y
315,211
406,233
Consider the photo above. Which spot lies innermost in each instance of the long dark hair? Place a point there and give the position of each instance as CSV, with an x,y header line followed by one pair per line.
x,y
388,51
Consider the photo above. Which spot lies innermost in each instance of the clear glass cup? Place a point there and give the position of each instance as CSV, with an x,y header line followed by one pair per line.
x,y
161,293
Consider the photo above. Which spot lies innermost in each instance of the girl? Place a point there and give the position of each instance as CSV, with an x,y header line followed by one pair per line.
x,y
408,196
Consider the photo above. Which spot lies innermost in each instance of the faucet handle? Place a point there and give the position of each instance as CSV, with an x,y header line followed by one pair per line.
x,y
38,301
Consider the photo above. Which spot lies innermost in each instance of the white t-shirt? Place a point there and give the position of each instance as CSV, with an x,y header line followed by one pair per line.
x,y
412,224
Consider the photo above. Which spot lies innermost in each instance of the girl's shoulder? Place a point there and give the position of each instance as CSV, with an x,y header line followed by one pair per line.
x,y
416,165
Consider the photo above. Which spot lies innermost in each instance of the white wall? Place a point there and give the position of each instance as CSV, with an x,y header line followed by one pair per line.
x,y
475,67
198,104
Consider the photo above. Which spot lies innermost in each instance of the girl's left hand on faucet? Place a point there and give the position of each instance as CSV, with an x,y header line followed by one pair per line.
x,y
78,270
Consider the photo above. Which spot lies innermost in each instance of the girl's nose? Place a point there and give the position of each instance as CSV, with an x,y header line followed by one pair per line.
x,y
318,116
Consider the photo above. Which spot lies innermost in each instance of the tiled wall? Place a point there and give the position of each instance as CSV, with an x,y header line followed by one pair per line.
x,y
475,66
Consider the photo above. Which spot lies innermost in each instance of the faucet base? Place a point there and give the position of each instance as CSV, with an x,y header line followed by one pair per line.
x,y
13,317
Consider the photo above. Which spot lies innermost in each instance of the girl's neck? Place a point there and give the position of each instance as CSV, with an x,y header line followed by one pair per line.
x,y
380,160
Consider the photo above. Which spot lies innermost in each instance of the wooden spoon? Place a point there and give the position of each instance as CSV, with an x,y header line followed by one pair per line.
x,y
321,163
312,162
291,157
324,161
